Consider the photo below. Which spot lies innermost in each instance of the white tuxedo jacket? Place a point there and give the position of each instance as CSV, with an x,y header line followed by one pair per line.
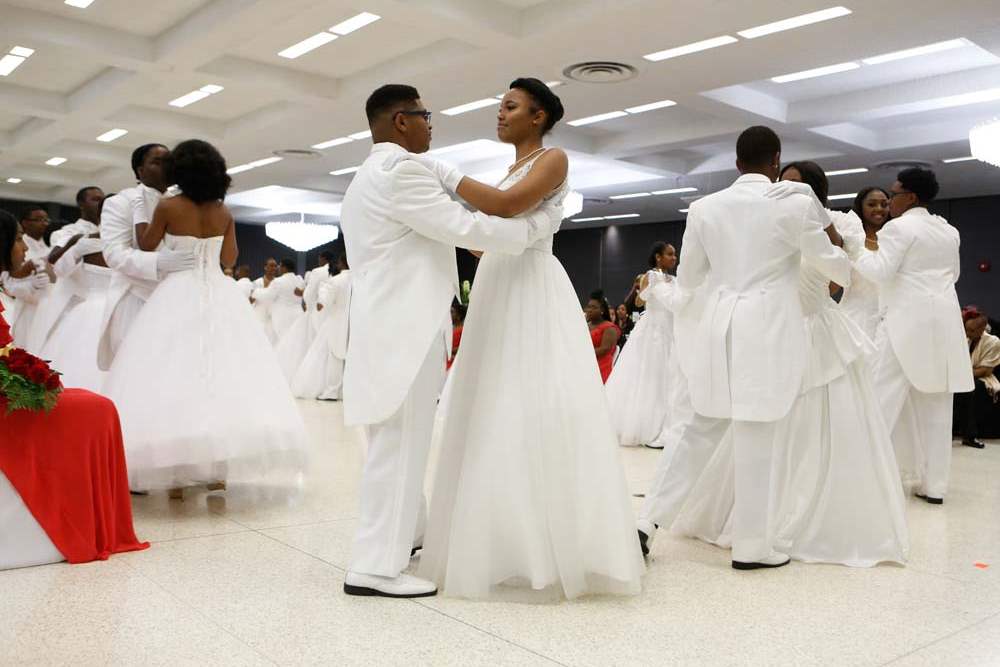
x,y
916,268
133,270
400,231
335,295
741,338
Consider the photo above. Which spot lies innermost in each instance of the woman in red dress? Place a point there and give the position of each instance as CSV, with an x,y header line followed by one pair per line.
x,y
603,332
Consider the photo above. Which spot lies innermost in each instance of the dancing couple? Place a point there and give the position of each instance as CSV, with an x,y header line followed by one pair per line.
x,y
530,489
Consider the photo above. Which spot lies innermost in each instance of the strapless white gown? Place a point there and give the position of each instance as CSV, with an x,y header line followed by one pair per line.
x,y
529,489
197,385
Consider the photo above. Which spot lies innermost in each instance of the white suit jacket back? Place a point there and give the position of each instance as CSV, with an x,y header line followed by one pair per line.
x,y
916,267
742,338
400,232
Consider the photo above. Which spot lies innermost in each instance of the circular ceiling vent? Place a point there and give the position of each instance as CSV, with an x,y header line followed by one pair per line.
x,y
600,71
899,165
298,153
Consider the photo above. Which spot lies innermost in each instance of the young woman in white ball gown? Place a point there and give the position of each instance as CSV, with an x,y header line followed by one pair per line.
x,y
529,490
196,382
639,386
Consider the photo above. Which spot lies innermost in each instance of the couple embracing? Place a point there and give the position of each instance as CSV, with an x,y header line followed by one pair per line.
x,y
529,489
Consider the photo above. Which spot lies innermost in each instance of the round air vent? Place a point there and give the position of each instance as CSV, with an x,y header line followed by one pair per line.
x,y
600,71
899,165
297,154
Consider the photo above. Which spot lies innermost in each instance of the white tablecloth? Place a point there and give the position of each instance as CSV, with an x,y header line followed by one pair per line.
x,y
22,541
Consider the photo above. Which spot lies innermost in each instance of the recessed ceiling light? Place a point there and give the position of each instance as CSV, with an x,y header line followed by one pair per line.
x,y
674,191
357,136
240,168
339,141
82,4
196,95
934,103
307,45
55,161
587,219
355,23
22,51
13,180
634,195
683,210
10,63
794,22
844,172
847,196
813,73
703,45
211,88
662,104
345,171
621,216
916,51
958,159
553,84
111,135
470,106
597,119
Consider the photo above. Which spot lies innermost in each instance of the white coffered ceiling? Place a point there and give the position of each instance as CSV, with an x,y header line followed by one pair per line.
x,y
118,63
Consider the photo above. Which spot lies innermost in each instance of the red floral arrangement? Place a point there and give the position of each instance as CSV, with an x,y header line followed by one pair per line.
x,y
26,382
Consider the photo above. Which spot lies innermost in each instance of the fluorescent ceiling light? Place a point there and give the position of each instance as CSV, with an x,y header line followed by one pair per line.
x,y
914,52
622,216
703,45
847,196
958,159
844,172
933,104
301,236
355,23
634,195
553,84
813,73
240,168
21,51
674,191
332,142
307,45
683,210
357,136
211,88
111,135
662,104
13,180
597,119
82,4
345,171
794,22
10,63
587,219
471,106
190,98
55,161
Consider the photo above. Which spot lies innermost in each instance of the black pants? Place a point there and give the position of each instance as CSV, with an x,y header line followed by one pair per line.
x,y
971,411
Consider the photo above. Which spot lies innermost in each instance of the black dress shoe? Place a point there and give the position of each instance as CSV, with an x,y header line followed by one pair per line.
x,y
643,542
741,565
972,442
932,501
415,550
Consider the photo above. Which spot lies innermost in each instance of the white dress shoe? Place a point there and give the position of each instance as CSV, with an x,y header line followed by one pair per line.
x,y
776,559
647,530
403,586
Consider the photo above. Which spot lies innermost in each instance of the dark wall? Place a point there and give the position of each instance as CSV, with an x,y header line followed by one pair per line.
x,y
255,249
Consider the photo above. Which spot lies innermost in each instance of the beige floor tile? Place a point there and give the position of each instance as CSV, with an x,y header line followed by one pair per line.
x,y
976,646
329,541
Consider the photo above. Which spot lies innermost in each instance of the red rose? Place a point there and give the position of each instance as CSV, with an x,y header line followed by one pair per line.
x,y
38,372
53,383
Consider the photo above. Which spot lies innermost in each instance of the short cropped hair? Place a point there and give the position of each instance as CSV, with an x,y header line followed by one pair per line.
x,y
288,264
81,194
757,146
921,182
139,156
385,98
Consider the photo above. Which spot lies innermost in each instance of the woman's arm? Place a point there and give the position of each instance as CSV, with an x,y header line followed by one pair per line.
x,y
608,341
982,371
151,236
547,174
230,251
643,284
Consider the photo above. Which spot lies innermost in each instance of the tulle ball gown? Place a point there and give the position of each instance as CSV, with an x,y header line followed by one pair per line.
x,y
837,490
198,387
529,489
639,386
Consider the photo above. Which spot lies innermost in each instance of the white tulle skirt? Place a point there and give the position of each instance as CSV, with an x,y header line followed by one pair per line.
x,y
321,374
529,490
292,347
639,387
71,347
200,392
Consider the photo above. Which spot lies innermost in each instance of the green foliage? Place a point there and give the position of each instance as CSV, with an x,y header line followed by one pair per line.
x,y
19,393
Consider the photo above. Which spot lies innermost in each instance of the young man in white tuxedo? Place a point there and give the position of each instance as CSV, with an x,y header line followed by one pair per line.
x,y
923,355
135,272
740,339
401,229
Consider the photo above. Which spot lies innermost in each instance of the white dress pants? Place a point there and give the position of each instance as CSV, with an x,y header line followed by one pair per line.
x,y
920,423
392,482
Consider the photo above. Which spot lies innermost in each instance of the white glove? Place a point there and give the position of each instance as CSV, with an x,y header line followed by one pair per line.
x,y
785,189
86,246
39,280
449,176
19,288
545,221
171,261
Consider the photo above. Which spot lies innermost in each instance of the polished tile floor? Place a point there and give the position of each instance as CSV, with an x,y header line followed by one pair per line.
x,y
254,576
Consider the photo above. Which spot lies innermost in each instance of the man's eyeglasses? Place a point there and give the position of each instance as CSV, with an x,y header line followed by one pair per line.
x,y
426,114
893,195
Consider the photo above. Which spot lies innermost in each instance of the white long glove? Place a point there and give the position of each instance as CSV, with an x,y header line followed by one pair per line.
x,y
25,288
545,221
449,176
171,261
784,189
86,246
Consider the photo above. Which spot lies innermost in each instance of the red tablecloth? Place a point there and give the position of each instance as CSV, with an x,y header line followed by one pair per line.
x,y
69,468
